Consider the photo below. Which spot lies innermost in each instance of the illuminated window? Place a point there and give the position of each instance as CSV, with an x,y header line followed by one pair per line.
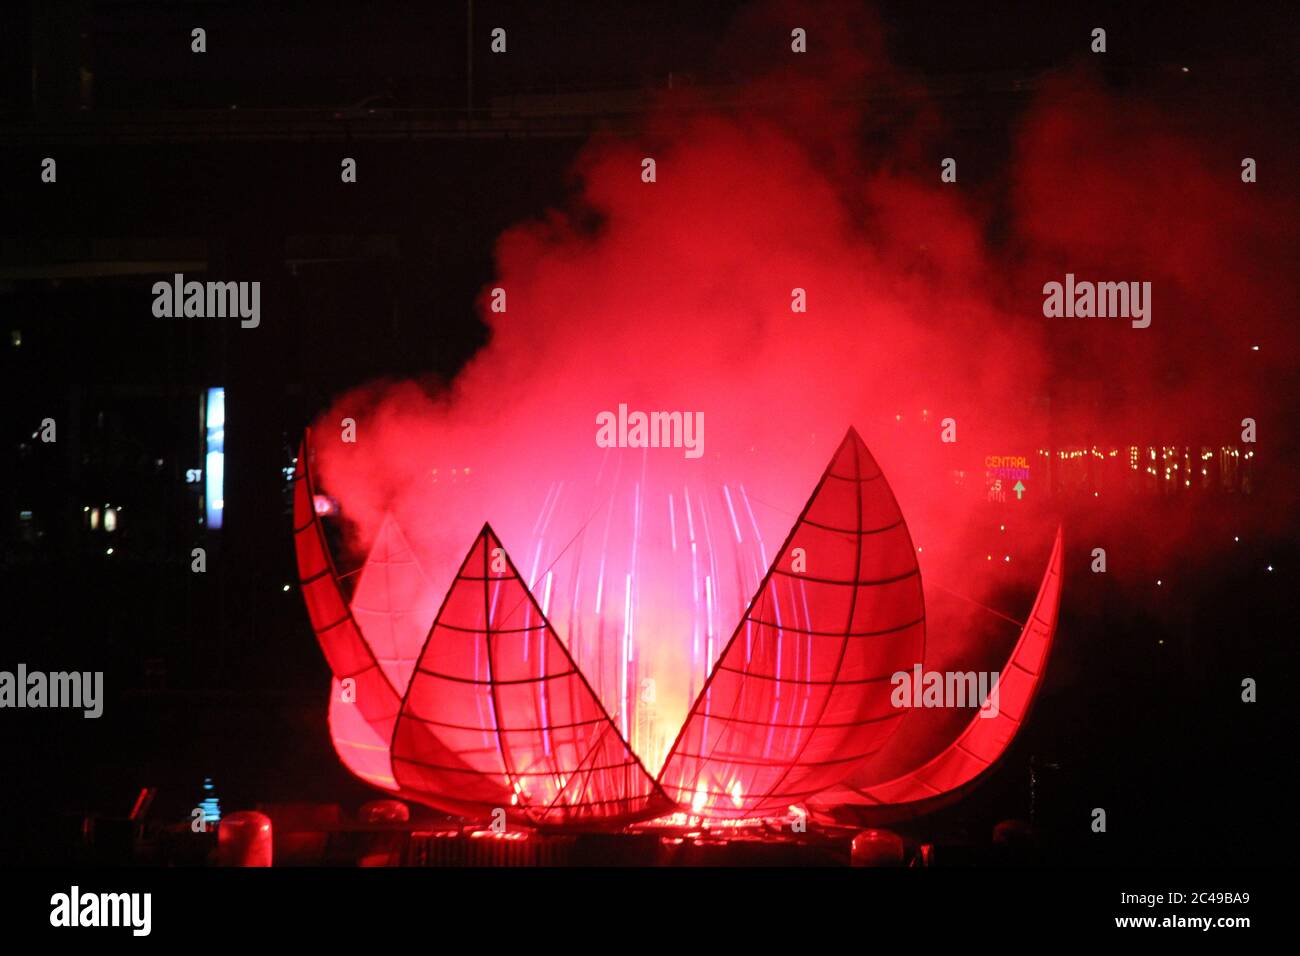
x,y
216,457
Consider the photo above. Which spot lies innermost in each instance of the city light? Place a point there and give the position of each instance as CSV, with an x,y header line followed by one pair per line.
x,y
215,420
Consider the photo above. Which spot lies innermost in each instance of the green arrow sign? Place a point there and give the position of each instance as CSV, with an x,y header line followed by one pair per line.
x,y
1019,489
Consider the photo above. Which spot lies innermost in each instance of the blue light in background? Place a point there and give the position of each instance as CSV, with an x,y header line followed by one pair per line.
x,y
210,806
215,496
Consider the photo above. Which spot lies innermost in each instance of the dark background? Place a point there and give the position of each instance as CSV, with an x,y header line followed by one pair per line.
x,y
232,158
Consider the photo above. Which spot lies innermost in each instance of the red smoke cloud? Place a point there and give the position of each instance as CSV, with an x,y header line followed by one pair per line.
x,y
676,295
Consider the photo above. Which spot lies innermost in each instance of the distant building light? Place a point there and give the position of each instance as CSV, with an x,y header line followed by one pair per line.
x,y
109,551
210,805
110,519
215,421
94,519
16,338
